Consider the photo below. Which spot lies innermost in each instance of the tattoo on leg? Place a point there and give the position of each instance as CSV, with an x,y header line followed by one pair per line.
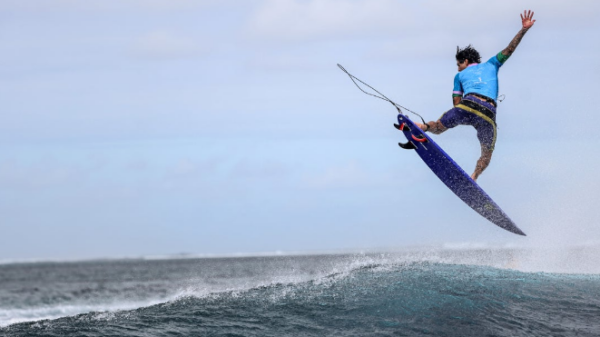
x,y
483,162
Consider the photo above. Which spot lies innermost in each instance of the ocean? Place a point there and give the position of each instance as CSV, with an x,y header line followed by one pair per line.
x,y
427,292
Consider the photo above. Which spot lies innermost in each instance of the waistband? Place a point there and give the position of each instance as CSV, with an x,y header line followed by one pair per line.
x,y
475,104
485,98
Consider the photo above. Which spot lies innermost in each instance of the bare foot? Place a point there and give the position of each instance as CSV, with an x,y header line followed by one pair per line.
x,y
473,177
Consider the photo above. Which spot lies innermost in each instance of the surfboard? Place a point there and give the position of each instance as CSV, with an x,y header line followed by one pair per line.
x,y
452,175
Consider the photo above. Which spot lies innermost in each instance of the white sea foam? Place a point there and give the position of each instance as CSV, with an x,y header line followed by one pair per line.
x,y
17,315
574,259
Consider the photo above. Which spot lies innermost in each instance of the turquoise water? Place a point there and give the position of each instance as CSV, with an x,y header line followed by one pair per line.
x,y
329,295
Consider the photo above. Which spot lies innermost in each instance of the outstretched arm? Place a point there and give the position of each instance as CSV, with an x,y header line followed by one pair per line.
x,y
526,18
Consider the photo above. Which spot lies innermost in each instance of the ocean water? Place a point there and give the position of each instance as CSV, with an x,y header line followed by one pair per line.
x,y
444,292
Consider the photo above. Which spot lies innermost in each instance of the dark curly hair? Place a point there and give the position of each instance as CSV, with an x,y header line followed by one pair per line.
x,y
467,53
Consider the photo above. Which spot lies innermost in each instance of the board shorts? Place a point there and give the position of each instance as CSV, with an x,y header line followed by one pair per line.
x,y
477,113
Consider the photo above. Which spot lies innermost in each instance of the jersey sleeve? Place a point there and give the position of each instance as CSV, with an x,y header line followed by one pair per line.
x,y
458,89
498,60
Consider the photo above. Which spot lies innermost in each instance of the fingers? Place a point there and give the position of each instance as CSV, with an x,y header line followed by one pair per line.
x,y
528,15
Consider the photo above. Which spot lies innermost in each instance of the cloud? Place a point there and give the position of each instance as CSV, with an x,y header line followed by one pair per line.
x,y
349,175
138,165
45,174
299,20
295,20
286,61
107,6
162,44
264,170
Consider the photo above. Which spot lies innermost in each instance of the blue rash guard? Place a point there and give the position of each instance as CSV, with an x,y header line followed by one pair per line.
x,y
480,78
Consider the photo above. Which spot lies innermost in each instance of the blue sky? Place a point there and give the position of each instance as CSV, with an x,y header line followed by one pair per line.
x,y
156,127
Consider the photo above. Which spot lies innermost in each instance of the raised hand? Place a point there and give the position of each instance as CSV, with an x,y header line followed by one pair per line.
x,y
527,17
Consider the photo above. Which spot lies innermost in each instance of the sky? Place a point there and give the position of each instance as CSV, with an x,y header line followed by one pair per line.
x,y
160,127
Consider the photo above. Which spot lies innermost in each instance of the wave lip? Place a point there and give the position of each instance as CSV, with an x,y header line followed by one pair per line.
x,y
368,296
113,289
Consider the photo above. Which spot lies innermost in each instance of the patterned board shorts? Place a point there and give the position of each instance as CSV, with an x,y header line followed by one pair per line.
x,y
477,113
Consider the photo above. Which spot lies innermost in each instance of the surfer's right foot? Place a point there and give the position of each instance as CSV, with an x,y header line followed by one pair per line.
x,y
423,127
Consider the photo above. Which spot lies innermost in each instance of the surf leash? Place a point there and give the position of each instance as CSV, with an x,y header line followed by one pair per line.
x,y
382,96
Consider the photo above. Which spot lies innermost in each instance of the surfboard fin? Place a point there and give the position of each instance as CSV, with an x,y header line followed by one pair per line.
x,y
402,127
407,146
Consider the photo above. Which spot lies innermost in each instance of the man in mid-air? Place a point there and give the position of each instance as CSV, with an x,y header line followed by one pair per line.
x,y
475,94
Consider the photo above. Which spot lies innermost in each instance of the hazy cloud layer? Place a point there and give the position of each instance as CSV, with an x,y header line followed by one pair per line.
x,y
304,20
154,127
161,44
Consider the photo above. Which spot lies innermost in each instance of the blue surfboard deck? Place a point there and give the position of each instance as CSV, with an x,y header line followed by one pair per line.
x,y
457,180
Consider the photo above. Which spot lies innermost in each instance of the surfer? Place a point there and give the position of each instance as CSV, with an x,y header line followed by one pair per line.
x,y
478,82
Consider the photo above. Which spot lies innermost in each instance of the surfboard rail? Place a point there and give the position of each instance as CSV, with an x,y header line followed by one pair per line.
x,y
452,175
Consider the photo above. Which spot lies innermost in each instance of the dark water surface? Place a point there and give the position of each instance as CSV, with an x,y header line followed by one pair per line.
x,y
328,295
